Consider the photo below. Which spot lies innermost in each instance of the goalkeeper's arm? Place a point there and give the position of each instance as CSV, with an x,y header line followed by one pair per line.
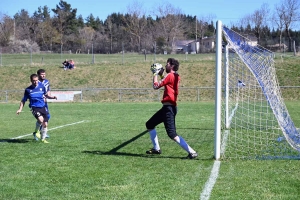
x,y
156,83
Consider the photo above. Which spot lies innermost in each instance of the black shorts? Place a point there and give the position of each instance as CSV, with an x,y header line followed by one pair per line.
x,y
166,115
37,112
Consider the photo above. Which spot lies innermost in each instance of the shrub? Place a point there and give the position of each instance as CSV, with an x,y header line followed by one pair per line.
x,y
24,46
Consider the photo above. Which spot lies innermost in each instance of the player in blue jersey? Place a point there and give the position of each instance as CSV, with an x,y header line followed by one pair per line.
x,y
42,78
36,93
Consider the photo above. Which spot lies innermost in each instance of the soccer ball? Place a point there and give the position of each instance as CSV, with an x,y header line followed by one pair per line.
x,y
156,67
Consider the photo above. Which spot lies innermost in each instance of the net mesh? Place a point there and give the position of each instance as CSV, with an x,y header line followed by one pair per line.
x,y
256,122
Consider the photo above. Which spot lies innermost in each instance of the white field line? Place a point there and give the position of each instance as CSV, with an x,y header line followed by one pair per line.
x,y
50,129
215,171
211,181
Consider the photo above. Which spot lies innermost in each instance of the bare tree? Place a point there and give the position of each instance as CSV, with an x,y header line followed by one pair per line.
x,y
243,24
136,22
170,19
86,36
109,26
6,30
278,20
47,34
203,23
288,11
23,24
259,19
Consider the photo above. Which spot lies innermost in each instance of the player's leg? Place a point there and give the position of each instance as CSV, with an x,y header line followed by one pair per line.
x,y
156,119
35,112
191,152
170,126
44,118
48,115
36,133
44,132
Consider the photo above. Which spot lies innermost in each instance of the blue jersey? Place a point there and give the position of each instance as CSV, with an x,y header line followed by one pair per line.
x,y
46,83
35,94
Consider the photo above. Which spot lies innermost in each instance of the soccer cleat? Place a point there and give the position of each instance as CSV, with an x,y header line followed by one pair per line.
x,y
192,155
36,135
47,136
45,141
153,151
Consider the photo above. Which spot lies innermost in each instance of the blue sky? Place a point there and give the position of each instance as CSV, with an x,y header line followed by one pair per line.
x,y
225,10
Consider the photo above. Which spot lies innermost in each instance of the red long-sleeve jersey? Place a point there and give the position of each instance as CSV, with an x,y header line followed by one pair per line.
x,y
171,84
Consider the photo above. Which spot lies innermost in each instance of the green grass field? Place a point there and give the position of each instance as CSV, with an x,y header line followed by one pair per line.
x,y
97,151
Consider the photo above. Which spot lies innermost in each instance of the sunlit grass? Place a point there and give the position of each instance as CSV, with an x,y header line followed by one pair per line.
x,y
97,151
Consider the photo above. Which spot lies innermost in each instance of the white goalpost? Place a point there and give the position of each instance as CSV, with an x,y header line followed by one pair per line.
x,y
251,119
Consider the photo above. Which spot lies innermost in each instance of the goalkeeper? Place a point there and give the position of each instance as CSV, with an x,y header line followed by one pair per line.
x,y
169,109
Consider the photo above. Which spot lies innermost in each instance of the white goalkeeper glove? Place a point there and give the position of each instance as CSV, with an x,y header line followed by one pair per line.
x,y
161,73
156,69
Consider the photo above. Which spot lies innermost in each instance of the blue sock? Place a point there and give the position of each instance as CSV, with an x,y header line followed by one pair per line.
x,y
184,145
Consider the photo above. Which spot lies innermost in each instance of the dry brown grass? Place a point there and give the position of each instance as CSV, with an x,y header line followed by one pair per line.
x,y
132,75
196,71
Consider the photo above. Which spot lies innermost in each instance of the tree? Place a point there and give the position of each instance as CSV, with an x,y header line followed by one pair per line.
x,y
23,25
189,26
170,21
65,22
135,23
109,26
93,22
259,20
98,25
288,13
43,30
80,21
90,21
115,32
6,30
278,20
86,35
205,26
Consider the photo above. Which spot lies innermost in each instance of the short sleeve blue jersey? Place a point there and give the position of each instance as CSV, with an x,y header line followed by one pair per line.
x,y
46,83
35,95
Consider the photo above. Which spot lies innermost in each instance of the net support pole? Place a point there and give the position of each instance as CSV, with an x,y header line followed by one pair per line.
x,y
226,64
218,90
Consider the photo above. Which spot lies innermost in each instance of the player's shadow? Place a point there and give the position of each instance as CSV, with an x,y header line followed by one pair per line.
x,y
200,129
14,140
115,152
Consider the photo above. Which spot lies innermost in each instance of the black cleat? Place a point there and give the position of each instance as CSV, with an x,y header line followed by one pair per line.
x,y
192,155
153,151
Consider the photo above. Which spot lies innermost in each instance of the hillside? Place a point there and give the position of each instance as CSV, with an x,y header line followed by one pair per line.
x,y
195,72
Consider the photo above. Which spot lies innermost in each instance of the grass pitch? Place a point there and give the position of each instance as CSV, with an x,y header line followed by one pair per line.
x,y
97,151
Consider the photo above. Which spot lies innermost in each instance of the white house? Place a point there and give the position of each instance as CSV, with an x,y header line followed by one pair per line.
x,y
206,44
182,46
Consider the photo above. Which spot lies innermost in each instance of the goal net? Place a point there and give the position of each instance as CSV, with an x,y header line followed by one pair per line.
x,y
255,123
